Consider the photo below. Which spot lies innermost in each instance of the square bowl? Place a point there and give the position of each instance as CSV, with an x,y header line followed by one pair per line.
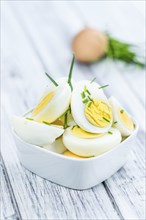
x,y
73,172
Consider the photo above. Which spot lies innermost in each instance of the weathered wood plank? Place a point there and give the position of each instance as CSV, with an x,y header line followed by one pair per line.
x,y
9,208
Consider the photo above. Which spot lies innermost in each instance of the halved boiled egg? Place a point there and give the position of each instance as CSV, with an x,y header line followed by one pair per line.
x,y
122,120
53,104
90,107
34,132
83,143
51,87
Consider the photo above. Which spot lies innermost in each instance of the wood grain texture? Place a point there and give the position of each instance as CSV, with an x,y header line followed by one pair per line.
x,y
26,55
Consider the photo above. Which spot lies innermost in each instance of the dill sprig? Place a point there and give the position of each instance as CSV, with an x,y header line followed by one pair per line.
x,y
52,80
70,72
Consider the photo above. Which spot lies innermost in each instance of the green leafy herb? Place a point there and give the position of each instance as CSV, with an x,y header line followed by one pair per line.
x,y
88,92
86,95
118,50
83,95
121,111
89,98
65,120
85,100
89,104
101,87
52,80
115,122
93,80
70,72
30,119
45,122
73,127
105,119
69,110
85,89
109,132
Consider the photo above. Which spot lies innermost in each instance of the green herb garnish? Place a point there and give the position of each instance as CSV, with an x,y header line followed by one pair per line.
x,y
88,92
115,122
65,120
89,104
52,80
93,80
101,87
45,122
105,119
73,127
29,119
70,72
83,95
121,111
109,132
122,51
86,95
89,98
85,89
85,100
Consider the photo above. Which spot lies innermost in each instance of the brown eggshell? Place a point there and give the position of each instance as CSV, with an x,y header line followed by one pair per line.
x,y
89,45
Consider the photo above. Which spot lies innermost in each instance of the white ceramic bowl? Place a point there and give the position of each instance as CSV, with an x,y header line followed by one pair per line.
x,y
73,172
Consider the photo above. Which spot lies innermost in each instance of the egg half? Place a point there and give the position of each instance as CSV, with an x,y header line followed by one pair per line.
x,y
57,146
90,107
34,132
83,143
122,120
53,104
51,87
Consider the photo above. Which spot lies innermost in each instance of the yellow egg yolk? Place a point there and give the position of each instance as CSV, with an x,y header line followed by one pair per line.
x,y
70,154
98,113
79,132
124,117
43,103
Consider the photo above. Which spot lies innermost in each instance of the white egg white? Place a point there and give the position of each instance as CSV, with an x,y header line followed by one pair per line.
x,y
77,106
57,146
119,124
34,132
57,105
91,147
50,87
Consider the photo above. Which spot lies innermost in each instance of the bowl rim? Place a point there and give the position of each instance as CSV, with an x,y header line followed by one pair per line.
x,y
77,159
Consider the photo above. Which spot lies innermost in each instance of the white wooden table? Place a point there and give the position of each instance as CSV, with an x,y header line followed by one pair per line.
x,y
36,37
